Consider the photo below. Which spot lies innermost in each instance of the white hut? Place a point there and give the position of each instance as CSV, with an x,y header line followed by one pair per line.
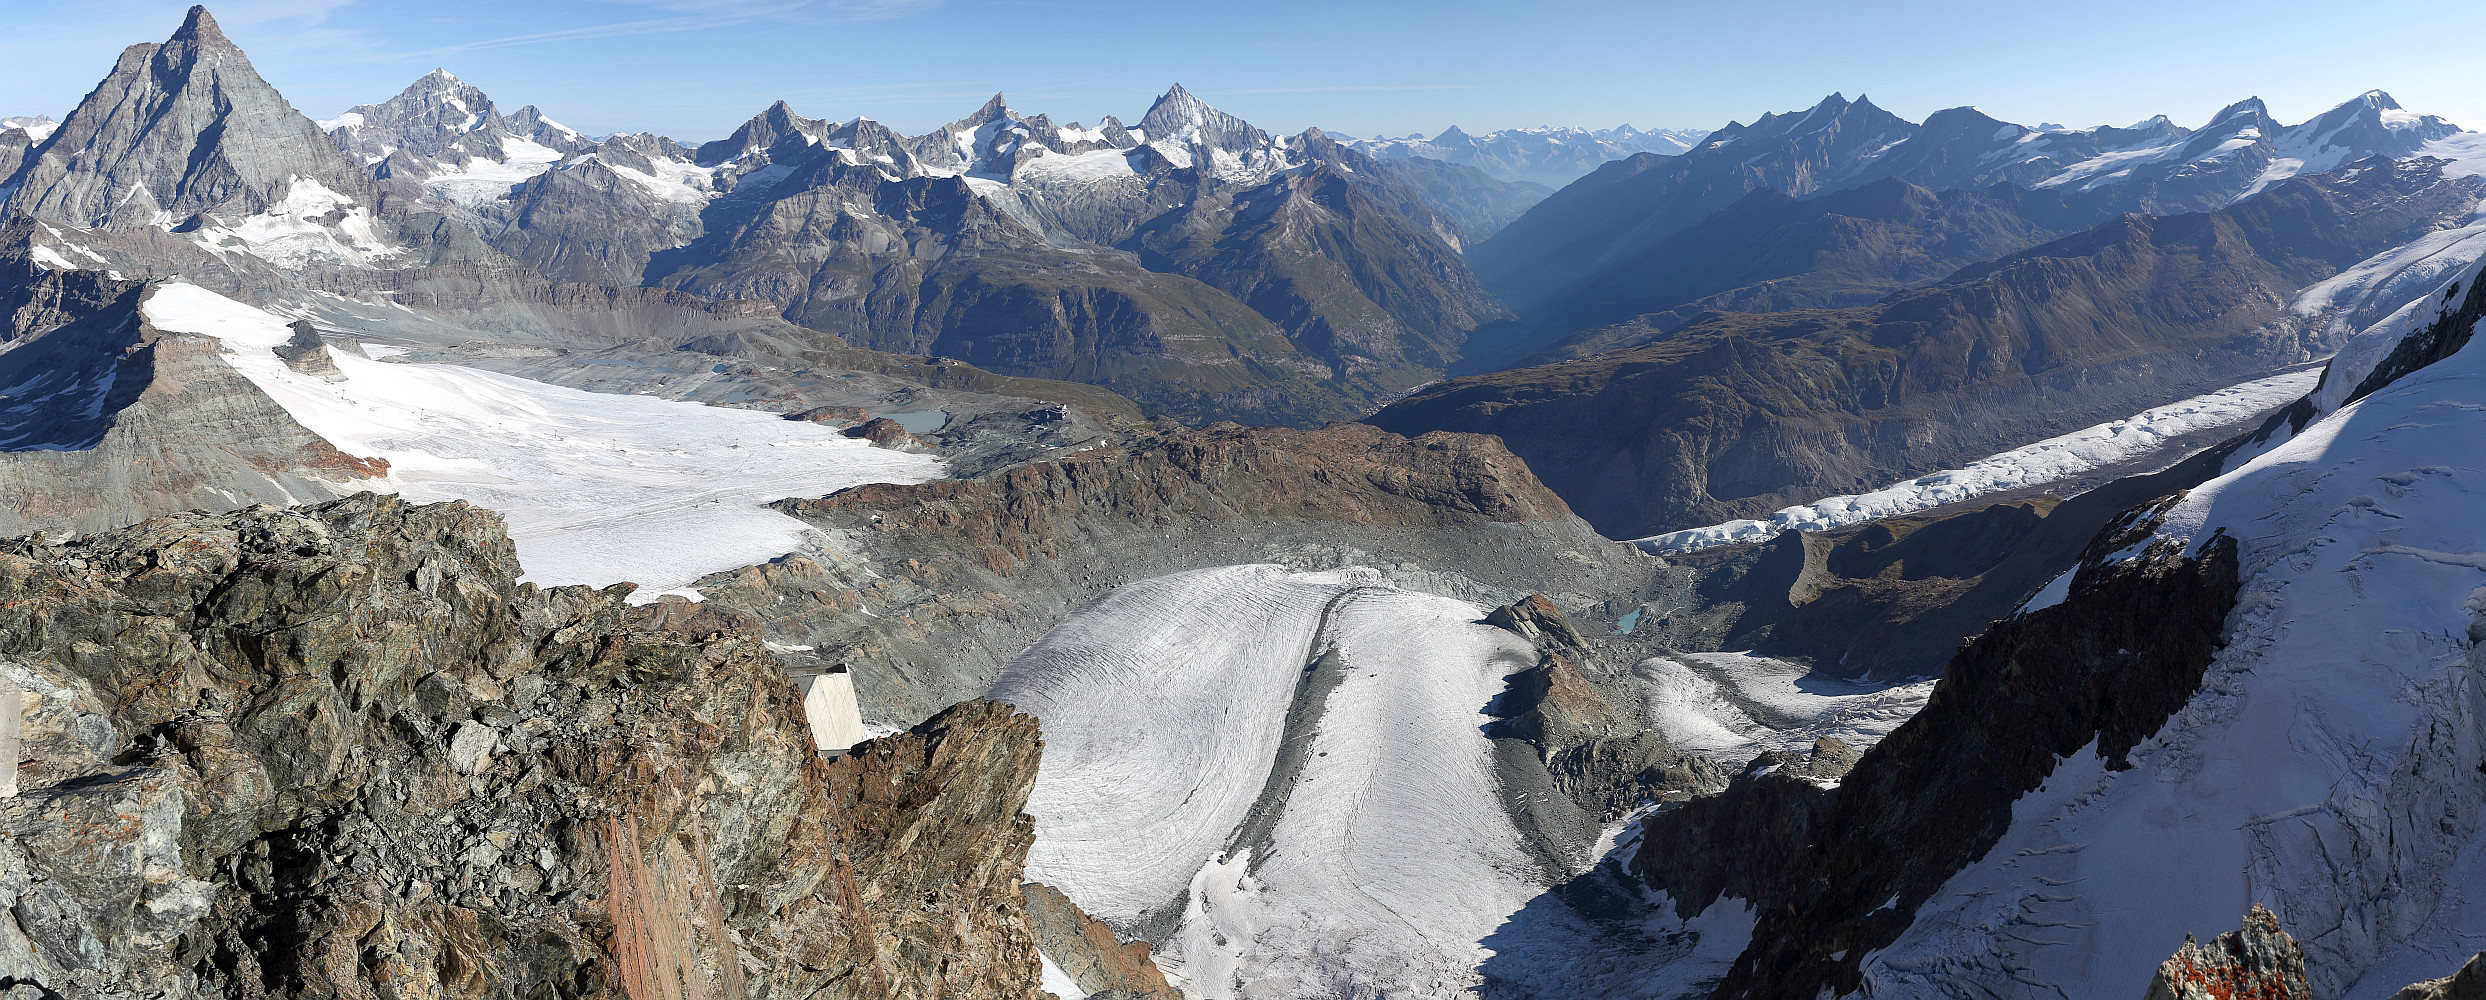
x,y
829,703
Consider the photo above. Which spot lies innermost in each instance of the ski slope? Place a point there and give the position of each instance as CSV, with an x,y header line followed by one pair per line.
x,y
2329,766
1389,856
596,488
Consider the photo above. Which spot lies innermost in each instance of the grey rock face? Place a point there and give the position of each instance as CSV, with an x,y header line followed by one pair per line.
x,y
177,132
1182,119
1816,864
2467,984
122,423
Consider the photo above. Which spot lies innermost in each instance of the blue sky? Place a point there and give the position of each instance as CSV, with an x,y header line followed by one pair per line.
x,y
695,68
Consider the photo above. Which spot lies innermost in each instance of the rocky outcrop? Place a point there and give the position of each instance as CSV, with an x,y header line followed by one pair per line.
x,y
2258,961
925,591
886,433
2106,667
307,352
1571,725
1103,965
182,131
337,751
2467,984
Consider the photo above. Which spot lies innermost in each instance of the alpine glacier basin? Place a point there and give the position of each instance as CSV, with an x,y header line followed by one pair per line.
x,y
597,488
1282,775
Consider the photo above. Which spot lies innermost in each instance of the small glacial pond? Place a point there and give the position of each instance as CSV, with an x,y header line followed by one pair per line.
x,y
920,422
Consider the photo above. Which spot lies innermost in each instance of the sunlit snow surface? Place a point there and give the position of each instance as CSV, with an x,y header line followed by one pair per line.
x,y
2046,461
1734,706
2329,767
1391,866
597,488
1163,707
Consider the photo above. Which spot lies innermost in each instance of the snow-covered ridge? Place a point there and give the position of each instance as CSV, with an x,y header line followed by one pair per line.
x,y
597,488
38,127
2046,461
2328,766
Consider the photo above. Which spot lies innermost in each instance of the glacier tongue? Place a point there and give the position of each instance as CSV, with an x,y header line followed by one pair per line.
x,y
1379,855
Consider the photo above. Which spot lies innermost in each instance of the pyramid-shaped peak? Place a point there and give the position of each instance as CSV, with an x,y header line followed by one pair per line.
x,y
994,108
441,75
169,137
1180,117
2377,99
2250,106
201,27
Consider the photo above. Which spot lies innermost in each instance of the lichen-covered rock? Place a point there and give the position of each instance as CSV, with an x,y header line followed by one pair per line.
x,y
338,751
2256,962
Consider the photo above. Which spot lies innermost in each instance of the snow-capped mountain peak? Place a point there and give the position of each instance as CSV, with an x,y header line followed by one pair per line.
x,y
443,139
1178,118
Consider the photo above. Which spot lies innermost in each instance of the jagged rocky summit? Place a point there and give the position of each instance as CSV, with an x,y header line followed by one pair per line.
x,y
336,751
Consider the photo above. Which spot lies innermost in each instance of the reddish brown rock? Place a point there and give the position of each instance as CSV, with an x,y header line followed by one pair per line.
x,y
2256,962
1089,953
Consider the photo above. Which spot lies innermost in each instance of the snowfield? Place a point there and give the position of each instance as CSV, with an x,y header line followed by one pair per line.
x,y
2047,461
1388,858
596,488
1286,836
1734,706
2329,766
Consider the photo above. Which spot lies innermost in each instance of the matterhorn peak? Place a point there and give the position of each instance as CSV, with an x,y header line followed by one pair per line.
x,y
200,27
167,137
